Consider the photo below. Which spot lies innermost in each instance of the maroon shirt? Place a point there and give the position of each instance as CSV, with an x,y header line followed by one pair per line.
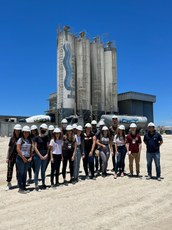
x,y
134,141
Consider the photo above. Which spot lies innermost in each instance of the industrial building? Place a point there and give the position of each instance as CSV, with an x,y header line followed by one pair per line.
x,y
134,103
87,81
86,76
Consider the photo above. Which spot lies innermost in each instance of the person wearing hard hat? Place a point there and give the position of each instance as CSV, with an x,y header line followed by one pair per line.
x,y
96,153
153,141
89,146
64,123
79,151
134,146
50,136
98,159
120,151
56,156
94,126
41,145
34,133
68,153
12,153
113,131
105,145
24,157
74,126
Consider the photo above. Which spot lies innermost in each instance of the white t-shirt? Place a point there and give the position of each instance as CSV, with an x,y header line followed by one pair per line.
x,y
78,139
25,147
119,141
56,146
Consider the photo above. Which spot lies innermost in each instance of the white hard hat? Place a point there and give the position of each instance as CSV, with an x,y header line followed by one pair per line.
x,y
69,128
74,126
133,125
17,127
94,122
33,127
57,130
122,127
101,123
151,124
88,125
114,117
51,127
26,128
79,127
44,126
64,121
105,128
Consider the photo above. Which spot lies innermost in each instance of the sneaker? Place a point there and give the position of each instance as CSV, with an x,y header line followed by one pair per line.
x,y
26,190
115,176
159,178
87,177
9,185
65,182
148,177
122,174
44,186
22,191
57,184
130,174
37,188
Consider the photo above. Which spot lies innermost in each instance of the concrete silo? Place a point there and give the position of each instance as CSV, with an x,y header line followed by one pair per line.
x,y
83,98
65,73
97,78
111,101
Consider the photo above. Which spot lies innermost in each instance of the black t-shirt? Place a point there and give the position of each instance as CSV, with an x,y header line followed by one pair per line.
x,y
42,142
88,142
152,142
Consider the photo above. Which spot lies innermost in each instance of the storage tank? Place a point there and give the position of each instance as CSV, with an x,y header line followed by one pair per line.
x,y
125,120
83,89
111,101
97,78
65,73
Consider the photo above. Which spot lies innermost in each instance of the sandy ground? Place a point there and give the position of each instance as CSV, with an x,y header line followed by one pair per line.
x,y
125,203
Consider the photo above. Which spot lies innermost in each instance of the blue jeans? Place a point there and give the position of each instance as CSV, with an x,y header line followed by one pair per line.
x,y
22,172
156,157
77,162
39,164
120,162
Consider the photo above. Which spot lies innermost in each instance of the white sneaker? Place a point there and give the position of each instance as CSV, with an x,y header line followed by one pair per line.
x,y
159,178
9,185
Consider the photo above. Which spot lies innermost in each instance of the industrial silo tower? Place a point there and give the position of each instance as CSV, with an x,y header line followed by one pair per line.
x,y
83,93
111,101
65,73
97,78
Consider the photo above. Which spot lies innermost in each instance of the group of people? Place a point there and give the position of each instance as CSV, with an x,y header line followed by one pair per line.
x,y
32,148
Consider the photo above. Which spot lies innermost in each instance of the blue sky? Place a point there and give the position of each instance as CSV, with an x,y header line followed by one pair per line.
x,y
141,30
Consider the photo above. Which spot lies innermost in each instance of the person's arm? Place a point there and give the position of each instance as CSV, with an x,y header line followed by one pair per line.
x,y
37,151
110,145
93,146
73,156
20,153
51,154
99,144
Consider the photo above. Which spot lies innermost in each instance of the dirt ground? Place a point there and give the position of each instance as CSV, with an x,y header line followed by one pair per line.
x,y
125,203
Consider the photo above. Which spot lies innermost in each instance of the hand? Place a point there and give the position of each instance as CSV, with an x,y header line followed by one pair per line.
x,y
30,159
45,157
73,158
7,161
52,160
83,156
112,153
90,154
24,160
116,154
